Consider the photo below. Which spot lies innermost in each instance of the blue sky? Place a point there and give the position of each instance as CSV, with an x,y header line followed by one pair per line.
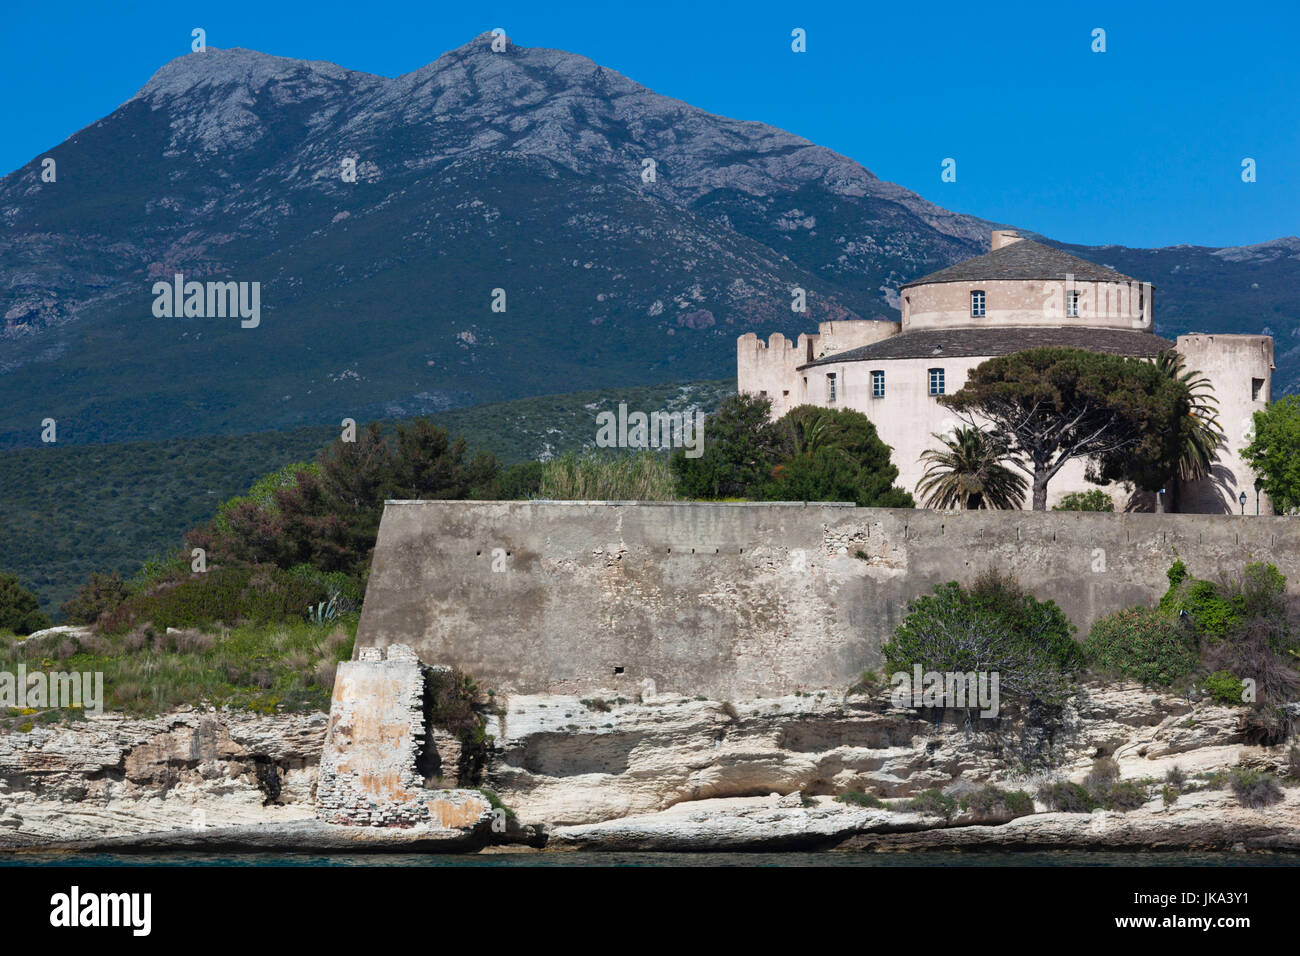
x,y
1141,145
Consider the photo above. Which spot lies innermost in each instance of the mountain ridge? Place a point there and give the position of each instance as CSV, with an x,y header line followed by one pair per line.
x,y
521,171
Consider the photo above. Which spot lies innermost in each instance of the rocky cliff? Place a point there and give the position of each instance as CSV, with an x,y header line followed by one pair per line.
x,y
674,773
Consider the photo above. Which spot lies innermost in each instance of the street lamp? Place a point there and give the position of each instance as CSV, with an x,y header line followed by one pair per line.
x,y
1259,483
1242,499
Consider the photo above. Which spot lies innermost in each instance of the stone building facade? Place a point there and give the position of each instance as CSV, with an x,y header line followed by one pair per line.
x,y
1020,295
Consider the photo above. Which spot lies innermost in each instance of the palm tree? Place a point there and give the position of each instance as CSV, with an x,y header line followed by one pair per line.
x,y
1204,437
970,472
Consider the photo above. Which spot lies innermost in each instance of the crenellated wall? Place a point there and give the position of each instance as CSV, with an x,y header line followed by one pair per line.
x,y
730,601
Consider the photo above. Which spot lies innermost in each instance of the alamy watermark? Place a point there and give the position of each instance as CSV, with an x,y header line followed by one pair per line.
x,y
208,300
969,689
655,430
60,689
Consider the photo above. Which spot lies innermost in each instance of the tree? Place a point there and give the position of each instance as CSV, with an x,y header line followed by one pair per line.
x,y
741,447
102,594
1054,405
834,455
1274,451
970,472
20,612
1203,438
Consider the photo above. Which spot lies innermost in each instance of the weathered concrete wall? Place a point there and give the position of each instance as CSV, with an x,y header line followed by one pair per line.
x,y
736,600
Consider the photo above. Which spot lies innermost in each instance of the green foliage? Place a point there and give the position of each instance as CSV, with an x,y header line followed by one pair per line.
x,y
258,594
1274,452
119,503
1052,405
990,801
811,454
931,803
1143,644
264,668
834,455
741,447
1225,688
992,626
1103,791
1094,500
641,476
973,470
856,798
519,481
20,612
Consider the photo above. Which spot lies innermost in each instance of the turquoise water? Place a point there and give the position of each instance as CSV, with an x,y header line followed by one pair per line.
x,y
1058,858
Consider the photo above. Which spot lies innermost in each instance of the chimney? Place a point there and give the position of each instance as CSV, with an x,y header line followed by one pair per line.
x,y
1004,237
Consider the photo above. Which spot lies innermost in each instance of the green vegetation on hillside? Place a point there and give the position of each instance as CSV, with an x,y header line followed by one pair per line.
x,y
71,510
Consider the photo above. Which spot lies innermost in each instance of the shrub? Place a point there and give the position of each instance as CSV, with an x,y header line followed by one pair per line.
x,y
1175,777
101,595
1125,795
1253,788
990,801
1094,500
1143,644
257,594
993,626
1225,688
1169,795
932,803
1211,614
1067,797
20,611
856,798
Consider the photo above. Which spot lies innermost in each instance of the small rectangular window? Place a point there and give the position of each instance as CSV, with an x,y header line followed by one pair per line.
x,y
1256,389
1072,304
977,303
830,389
877,384
936,381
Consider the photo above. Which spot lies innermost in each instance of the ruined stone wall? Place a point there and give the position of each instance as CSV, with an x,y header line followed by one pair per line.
x,y
368,769
731,601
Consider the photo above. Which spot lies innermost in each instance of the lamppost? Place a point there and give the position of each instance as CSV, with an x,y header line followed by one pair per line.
x,y
1242,499
1259,483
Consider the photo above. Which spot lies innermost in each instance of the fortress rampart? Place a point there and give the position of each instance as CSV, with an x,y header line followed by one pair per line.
x,y
729,601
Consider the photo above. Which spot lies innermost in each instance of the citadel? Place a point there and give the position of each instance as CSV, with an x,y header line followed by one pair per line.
x,y
1022,294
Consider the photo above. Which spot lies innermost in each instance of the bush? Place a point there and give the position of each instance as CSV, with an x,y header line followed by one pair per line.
x,y
990,801
1095,500
1143,644
1225,688
1067,797
856,798
993,626
20,611
259,595
931,803
1211,614
1254,788
101,595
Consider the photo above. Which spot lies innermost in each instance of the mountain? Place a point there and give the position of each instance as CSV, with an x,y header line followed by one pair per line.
x,y
520,171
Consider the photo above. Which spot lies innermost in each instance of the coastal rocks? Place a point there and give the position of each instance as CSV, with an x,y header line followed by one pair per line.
x,y
189,770
1206,821
735,824
563,761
